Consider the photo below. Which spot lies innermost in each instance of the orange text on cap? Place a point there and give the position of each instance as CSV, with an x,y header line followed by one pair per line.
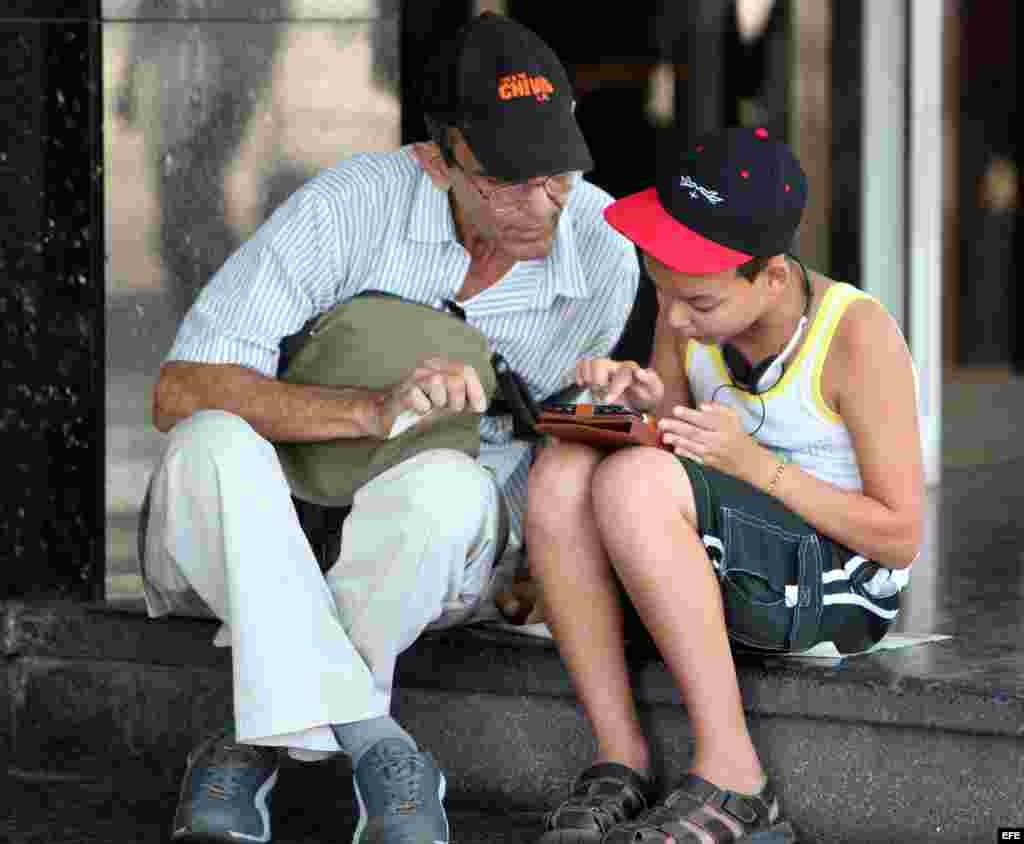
x,y
524,85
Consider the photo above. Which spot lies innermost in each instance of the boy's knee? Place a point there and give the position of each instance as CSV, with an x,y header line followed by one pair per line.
x,y
640,479
562,466
626,468
559,478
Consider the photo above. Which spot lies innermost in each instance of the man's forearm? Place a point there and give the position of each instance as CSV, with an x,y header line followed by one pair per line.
x,y
277,410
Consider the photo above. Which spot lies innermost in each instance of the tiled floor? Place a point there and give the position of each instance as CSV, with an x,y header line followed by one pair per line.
x,y
969,584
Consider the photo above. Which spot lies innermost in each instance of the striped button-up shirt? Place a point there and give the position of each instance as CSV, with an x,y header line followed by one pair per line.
x,y
377,222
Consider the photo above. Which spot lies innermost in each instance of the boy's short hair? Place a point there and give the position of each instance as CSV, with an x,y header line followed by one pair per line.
x,y
752,269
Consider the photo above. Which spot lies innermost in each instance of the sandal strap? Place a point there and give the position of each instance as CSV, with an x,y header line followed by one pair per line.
x,y
601,797
698,809
625,778
748,809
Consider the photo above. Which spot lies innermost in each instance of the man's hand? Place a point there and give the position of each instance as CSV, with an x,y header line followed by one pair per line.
x,y
437,385
609,380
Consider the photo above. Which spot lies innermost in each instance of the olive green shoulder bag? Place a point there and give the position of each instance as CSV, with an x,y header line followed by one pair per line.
x,y
374,341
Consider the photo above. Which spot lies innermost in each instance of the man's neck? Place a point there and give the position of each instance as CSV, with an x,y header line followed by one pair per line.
x,y
489,263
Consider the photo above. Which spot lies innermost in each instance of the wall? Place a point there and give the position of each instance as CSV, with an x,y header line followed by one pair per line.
x,y
145,139
214,112
51,412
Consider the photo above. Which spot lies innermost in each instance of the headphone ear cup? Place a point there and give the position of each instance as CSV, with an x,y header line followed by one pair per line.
x,y
739,366
759,371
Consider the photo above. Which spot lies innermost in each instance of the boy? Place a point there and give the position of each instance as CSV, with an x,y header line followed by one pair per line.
x,y
784,511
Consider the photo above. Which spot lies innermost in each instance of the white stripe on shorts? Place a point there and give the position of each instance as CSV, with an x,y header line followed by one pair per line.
x,y
860,601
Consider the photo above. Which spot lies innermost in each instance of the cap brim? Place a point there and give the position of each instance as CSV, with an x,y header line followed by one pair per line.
x,y
643,219
534,147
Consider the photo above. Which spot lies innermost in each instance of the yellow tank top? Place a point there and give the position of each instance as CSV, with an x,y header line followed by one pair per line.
x,y
798,424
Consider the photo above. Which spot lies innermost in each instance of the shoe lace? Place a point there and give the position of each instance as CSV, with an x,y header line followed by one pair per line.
x,y
223,783
401,776
228,763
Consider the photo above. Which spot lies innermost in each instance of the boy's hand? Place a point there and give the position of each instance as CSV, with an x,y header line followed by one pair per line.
x,y
713,434
609,380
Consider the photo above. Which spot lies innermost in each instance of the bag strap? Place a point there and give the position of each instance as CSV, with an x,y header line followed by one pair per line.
x,y
635,343
291,345
513,398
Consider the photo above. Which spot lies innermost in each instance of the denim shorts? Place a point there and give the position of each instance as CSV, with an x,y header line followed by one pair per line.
x,y
785,587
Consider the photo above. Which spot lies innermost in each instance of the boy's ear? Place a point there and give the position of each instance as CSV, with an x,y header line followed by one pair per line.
x,y
430,159
775,273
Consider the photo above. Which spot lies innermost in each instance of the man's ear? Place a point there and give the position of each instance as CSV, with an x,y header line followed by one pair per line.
x,y
429,156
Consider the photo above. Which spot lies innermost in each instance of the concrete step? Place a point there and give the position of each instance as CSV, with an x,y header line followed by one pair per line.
x,y
860,752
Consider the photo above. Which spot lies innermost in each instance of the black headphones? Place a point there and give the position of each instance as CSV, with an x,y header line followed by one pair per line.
x,y
760,378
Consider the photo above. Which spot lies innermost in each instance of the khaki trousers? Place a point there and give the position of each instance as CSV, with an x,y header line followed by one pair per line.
x,y
418,549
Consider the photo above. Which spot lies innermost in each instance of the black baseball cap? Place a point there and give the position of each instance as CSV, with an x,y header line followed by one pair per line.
x,y
730,196
508,92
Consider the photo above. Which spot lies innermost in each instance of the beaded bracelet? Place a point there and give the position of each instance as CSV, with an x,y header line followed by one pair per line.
x,y
783,463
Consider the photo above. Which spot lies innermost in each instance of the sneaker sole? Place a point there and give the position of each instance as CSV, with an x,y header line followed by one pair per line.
x,y
361,825
187,836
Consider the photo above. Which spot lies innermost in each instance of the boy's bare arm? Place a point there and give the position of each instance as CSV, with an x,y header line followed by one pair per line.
x,y
668,361
872,383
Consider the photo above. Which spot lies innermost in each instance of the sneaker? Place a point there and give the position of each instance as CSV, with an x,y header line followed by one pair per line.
x,y
400,793
698,811
601,797
225,793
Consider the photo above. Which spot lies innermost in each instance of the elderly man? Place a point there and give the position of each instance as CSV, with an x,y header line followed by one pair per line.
x,y
492,215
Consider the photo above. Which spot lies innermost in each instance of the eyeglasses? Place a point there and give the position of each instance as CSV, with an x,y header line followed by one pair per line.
x,y
505,197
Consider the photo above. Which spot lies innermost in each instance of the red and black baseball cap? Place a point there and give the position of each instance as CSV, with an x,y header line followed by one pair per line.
x,y
508,92
730,196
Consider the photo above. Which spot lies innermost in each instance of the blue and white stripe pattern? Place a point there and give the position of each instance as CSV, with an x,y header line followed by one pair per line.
x,y
884,584
376,221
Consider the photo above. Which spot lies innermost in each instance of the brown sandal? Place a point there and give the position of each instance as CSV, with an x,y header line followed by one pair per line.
x,y
701,813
